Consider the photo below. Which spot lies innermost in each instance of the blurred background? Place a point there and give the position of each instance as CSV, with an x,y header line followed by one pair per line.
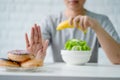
x,y
18,16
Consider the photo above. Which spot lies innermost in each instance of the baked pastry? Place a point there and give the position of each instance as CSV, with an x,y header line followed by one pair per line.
x,y
32,63
19,55
8,63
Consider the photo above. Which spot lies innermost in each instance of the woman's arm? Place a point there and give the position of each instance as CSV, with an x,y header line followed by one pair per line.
x,y
109,45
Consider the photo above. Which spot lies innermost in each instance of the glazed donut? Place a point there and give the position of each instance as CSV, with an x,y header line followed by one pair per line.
x,y
18,55
32,63
8,63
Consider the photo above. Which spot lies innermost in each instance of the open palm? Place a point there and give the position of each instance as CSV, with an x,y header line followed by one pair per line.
x,y
36,45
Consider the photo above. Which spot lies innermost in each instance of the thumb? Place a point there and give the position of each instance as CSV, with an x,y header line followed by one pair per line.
x,y
40,55
71,21
45,46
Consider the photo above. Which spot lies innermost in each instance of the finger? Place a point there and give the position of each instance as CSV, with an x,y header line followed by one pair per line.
x,y
81,23
36,34
39,55
27,40
39,35
36,27
32,36
85,22
45,46
76,21
71,20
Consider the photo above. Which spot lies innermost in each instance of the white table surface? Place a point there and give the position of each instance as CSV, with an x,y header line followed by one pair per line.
x,y
56,71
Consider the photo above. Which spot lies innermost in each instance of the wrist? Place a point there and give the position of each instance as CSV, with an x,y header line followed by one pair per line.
x,y
95,26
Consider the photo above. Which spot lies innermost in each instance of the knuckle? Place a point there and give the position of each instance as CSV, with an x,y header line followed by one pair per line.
x,y
86,17
76,19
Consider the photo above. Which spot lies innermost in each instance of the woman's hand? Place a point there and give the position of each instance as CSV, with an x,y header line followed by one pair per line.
x,y
106,41
36,45
84,22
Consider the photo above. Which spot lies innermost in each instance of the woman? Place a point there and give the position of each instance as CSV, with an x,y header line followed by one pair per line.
x,y
100,33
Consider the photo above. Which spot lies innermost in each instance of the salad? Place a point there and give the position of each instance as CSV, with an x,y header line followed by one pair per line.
x,y
77,45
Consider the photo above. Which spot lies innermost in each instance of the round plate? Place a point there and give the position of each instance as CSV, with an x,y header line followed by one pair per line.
x,y
20,69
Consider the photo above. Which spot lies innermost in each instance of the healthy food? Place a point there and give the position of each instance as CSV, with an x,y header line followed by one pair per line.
x,y
65,24
77,45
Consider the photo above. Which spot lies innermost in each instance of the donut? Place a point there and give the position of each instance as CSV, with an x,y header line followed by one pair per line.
x,y
19,55
8,63
32,63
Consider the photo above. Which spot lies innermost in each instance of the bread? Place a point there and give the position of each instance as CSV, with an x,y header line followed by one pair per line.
x,y
32,63
8,63
19,55
20,58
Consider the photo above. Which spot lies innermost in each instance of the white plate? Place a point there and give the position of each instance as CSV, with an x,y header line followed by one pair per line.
x,y
32,69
